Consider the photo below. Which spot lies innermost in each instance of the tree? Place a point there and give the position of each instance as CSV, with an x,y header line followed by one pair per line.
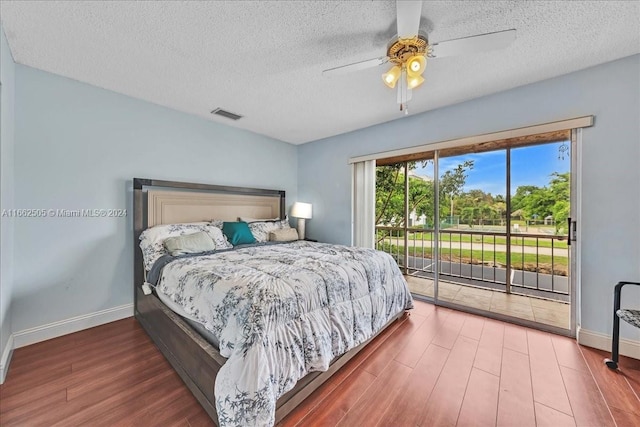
x,y
532,201
390,195
560,186
451,185
421,197
542,202
474,206
499,207
468,214
452,181
520,200
390,191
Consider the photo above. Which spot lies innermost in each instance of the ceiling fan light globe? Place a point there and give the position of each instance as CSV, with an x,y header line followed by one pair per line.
x,y
416,65
390,78
414,81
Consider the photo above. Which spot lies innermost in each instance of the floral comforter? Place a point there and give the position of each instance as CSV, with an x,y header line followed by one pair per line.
x,y
282,311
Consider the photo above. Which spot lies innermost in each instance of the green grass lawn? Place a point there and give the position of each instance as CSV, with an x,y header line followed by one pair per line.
x,y
542,242
526,262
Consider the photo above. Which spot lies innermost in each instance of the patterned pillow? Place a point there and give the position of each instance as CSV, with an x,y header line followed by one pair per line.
x,y
152,239
261,229
218,238
190,243
217,223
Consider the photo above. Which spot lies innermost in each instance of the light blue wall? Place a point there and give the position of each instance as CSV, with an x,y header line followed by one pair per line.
x,y
610,159
7,78
78,146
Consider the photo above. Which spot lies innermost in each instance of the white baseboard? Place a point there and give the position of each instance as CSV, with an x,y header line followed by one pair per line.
x,y
629,348
6,359
69,326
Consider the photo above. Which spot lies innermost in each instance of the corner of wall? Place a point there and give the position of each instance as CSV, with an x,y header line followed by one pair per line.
x,y
7,144
5,359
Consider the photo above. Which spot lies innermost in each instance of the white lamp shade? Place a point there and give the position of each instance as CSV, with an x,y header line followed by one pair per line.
x,y
301,210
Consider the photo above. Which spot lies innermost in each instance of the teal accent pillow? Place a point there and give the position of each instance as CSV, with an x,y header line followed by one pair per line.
x,y
238,233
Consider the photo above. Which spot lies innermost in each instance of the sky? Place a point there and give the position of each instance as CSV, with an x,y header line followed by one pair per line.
x,y
529,165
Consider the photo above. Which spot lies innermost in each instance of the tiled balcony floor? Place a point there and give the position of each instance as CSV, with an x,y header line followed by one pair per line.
x,y
544,311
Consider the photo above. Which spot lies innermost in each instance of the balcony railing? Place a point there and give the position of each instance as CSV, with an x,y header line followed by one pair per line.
x,y
538,264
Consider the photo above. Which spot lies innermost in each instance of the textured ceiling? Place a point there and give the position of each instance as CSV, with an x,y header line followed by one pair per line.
x,y
264,59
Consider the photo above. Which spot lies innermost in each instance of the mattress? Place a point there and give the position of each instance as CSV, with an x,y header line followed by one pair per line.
x,y
192,321
280,312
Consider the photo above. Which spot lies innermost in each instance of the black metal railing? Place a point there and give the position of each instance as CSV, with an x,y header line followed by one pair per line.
x,y
539,263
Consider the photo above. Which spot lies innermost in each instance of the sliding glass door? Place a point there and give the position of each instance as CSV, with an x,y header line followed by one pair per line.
x,y
490,234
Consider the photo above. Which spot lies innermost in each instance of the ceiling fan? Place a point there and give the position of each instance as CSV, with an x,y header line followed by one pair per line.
x,y
409,49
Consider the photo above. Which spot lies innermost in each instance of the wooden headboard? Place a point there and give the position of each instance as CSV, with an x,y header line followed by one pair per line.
x,y
174,207
158,202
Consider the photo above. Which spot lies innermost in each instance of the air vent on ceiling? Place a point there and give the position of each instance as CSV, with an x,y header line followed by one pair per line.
x,y
227,114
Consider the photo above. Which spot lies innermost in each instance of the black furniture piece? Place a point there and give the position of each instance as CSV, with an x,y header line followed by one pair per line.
x,y
630,316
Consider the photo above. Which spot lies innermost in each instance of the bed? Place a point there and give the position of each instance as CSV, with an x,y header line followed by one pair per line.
x,y
283,317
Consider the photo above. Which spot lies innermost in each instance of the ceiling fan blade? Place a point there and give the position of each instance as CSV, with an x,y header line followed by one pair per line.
x,y
356,66
408,18
473,44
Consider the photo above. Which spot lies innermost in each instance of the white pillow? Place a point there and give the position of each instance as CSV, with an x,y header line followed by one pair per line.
x,y
190,243
152,239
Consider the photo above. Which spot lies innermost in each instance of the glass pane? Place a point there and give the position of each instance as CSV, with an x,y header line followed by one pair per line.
x,y
390,210
472,227
540,207
420,224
